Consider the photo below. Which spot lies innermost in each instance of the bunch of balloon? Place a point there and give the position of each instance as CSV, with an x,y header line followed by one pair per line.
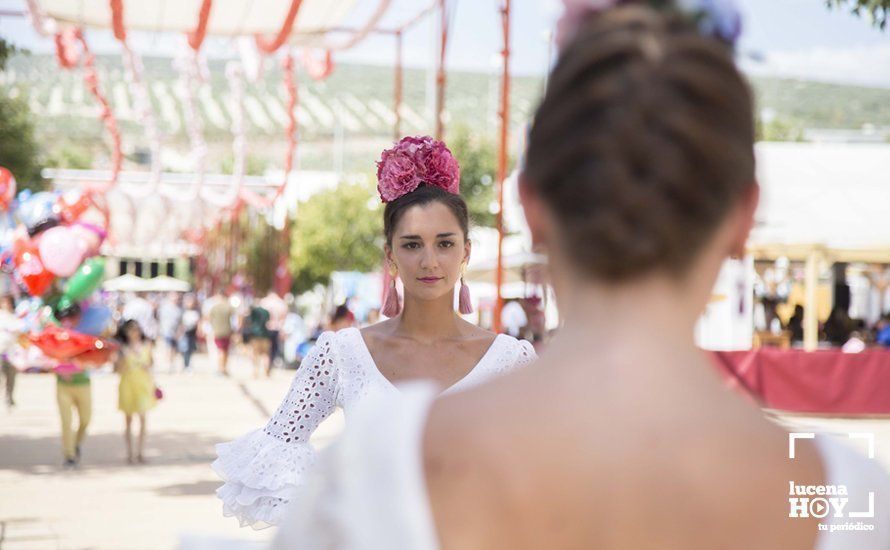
x,y
51,250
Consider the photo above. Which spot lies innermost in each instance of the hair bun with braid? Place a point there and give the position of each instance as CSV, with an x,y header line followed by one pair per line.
x,y
642,143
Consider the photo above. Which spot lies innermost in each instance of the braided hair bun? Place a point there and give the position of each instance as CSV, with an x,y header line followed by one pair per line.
x,y
642,143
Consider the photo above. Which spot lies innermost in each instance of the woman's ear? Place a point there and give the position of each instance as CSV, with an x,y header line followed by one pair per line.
x,y
535,213
468,248
746,209
387,254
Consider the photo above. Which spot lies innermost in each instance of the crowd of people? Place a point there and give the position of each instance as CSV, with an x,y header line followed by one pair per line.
x,y
841,330
159,332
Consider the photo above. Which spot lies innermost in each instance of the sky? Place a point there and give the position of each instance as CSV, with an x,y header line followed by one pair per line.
x,y
797,38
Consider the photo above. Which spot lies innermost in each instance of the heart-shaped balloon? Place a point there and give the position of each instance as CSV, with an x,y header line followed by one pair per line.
x,y
63,344
30,269
99,355
60,251
7,188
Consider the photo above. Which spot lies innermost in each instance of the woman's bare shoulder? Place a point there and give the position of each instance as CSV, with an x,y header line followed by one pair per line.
x,y
378,331
525,456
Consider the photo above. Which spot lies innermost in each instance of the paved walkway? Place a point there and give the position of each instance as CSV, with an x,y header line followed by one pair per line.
x,y
108,504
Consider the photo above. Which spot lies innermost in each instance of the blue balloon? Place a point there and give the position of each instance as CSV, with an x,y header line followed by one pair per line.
x,y
36,208
304,348
94,320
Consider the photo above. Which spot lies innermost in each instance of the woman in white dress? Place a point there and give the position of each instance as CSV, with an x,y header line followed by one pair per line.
x,y
639,183
427,247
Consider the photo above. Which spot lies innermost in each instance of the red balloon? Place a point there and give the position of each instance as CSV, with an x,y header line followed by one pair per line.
x,y
97,356
30,268
70,207
64,344
7,188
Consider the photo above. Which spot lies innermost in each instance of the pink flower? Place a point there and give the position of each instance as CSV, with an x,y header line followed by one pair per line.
x,y
440,168
415,144
574,14
416,160
396,175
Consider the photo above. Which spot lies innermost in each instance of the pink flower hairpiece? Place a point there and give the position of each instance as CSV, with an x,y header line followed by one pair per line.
x,y
415,160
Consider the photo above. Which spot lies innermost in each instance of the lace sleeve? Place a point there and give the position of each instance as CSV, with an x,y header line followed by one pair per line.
x,y
368,488
261,468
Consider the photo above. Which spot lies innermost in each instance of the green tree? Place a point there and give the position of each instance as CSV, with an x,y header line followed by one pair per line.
x,y
878,10
253,166
262,249
72,156
336,230
778,129
19,151
477,156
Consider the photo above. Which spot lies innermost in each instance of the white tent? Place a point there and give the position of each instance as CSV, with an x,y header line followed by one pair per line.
x,y
822,203
168,284
126,283
831,197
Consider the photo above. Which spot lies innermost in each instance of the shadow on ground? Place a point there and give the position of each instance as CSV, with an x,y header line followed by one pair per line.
x,y
104,451
190,489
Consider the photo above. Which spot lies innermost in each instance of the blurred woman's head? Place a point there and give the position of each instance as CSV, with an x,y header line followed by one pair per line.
x,y
130,333
640,160
342,317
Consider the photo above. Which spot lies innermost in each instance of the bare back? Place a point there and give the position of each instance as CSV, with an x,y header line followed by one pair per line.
x,y
556,457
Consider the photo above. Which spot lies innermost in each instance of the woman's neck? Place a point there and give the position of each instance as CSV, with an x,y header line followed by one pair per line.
x,y
646,317
428,320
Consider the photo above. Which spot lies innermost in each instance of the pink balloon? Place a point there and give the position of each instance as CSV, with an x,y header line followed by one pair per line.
x,y
89,238
60,252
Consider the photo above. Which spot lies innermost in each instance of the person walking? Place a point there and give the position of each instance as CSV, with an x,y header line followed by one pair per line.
x,y
219,317
137,392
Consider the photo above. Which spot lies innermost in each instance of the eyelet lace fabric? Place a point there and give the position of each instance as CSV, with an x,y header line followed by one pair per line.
x,y
262,468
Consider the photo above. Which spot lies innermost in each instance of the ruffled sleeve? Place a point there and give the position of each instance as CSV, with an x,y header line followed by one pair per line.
x,y
262,468
525,353
368,489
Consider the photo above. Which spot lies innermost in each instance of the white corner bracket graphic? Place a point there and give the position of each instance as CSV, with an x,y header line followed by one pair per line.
x,y
870,437
794,436
871,508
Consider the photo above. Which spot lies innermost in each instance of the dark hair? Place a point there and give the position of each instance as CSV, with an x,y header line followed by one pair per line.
x,y
342,312
121,335
642,143
423,195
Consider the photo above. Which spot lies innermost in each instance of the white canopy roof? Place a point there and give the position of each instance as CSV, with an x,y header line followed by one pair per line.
x,y
132,283
227,17
830,196
125,283
245,18
164,283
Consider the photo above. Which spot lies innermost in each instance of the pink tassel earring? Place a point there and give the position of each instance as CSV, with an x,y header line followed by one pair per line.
x,y
464,305
392,302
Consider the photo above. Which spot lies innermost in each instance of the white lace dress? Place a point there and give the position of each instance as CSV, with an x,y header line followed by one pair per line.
x,y
368,490
262,468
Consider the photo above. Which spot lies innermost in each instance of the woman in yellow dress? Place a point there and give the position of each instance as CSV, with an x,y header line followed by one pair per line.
x,y
136,393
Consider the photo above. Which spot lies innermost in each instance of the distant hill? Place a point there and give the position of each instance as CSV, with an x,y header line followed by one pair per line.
x,y
819,105
353,108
